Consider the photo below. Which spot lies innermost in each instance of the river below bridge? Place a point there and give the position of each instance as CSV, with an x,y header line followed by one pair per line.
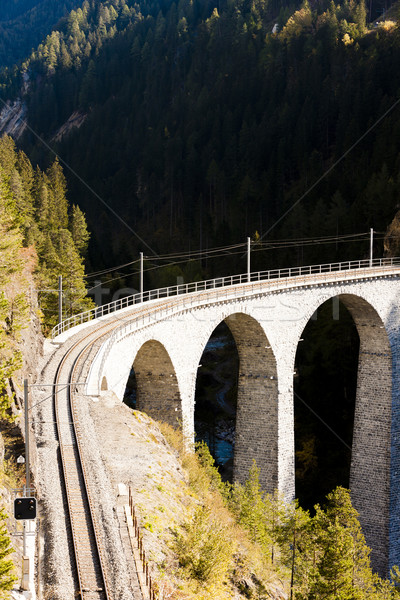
x,y
216,391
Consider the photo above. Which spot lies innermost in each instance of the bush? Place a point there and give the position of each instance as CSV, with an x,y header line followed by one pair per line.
x,y
205,548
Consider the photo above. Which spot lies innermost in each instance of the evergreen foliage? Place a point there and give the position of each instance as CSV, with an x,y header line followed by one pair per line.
x,y
236,124
7,576
205,547
34,212
249,505
320,557
326,555
23,23
79,230
342,563
12,310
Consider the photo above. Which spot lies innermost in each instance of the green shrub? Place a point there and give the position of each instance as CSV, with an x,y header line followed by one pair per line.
x,y
205,548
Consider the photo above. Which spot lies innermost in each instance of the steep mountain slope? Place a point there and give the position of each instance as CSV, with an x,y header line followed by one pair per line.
x,y
23,23
198,125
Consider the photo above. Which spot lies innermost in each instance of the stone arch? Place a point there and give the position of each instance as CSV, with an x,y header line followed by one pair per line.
x,y
157,386
256,434
370,454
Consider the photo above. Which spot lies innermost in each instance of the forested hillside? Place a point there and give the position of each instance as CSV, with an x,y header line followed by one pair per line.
x,y
23,24
199,126
37,227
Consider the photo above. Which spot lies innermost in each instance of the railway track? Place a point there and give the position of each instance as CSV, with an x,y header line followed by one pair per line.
x,y
89,556
89,553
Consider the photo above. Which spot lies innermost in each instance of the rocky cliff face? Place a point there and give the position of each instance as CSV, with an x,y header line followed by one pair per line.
x,y
75,121
13,114
12,118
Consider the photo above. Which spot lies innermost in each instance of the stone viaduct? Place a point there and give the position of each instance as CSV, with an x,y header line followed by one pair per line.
x,y
267,318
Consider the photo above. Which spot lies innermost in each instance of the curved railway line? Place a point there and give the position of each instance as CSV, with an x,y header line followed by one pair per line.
x,y
89,553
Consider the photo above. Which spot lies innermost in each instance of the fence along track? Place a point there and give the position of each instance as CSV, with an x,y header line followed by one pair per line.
x,y
221,282
93,583
177,304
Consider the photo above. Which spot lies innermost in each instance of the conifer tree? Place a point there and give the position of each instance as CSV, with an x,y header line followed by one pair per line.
x,y
42,201
72,271
296,543
204,547
342,565
333,576
7,156
58,188
248,502
275,507
79,230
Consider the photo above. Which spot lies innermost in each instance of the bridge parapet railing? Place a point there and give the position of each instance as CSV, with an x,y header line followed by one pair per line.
x,y
230,280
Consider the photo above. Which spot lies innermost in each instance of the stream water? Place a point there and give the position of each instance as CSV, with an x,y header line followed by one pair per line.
x,y
216,391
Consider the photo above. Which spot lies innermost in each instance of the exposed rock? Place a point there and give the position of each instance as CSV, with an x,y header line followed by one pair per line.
x,y
74,121
12,118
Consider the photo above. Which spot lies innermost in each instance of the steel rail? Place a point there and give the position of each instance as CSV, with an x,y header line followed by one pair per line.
x,y
89,556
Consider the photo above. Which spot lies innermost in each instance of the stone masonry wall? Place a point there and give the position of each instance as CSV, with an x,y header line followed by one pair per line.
x,y
256,436
370,459
157,387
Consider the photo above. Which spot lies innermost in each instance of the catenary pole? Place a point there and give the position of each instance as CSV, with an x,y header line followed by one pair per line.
x,y
141,277
60,302
371,247
26,411
248,259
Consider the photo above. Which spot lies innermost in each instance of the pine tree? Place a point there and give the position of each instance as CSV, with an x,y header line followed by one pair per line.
x,y
249,505
58,200
79,230
72,271
42,201
296,542
7,156
59,256
333,577
342,568
275,508
204,547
